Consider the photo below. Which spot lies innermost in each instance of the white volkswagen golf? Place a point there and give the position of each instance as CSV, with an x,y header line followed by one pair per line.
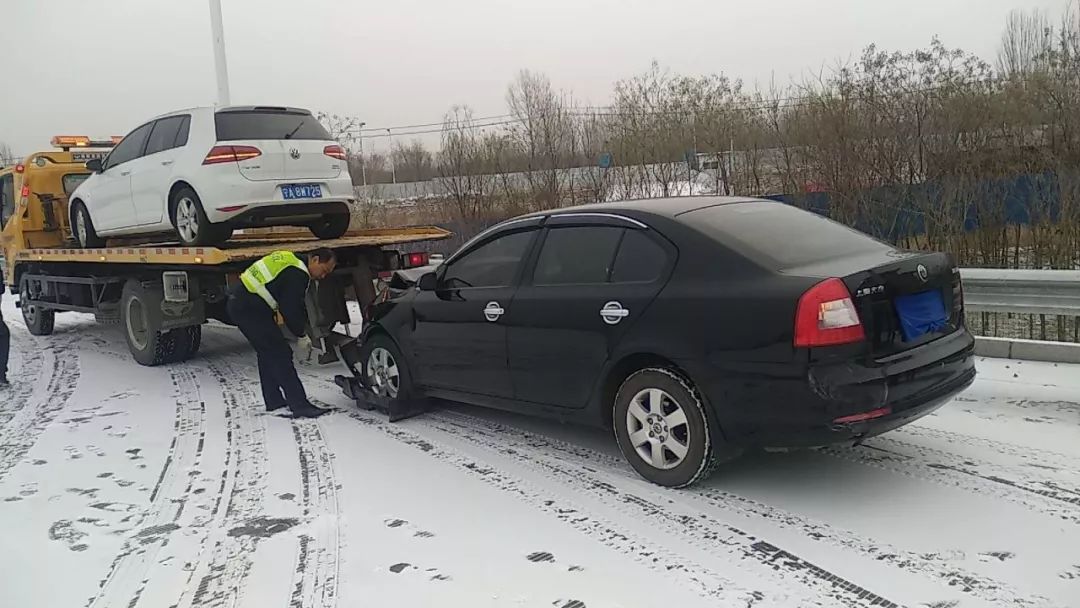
x,y
204,172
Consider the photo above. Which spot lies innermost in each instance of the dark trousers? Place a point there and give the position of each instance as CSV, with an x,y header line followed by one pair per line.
x,y
5,345
277,374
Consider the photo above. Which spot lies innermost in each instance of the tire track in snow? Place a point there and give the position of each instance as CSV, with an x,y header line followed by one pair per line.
x,y
934,567
1028,454
129,573
24,370
698,578
754,555
60,360
315,580
239,498
953,471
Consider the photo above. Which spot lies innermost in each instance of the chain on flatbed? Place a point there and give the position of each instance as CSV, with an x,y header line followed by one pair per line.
x,y
241,248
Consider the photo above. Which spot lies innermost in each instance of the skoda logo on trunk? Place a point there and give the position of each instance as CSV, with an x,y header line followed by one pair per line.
x,y
922,272
294,153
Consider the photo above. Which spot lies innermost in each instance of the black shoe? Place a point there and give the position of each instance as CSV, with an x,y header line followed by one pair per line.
x,y
272,408
307,411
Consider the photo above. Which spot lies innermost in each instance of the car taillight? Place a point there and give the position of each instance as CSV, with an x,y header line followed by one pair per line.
x,y
230,154
335,152
415,259
826,316
958,293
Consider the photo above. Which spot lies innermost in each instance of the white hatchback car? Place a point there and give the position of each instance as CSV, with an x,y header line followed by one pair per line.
x,y
204,172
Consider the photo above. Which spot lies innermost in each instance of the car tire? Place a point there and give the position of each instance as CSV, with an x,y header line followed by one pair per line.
x,y
193,227
381,352
333,226
653,435
148,344
82,228
39,321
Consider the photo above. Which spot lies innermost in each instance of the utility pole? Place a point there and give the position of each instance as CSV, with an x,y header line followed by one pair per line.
x,y
220,66
393,161
363,161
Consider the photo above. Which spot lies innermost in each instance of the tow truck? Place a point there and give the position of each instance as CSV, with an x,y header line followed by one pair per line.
x,y
161,293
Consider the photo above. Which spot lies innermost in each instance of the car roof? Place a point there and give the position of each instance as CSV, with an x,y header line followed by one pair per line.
x,y
227,109
670,207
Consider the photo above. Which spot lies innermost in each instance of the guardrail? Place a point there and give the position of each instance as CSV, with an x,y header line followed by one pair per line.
x,y
1046,292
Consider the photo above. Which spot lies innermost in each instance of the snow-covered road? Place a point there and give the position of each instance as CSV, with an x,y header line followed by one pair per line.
x,y
129,486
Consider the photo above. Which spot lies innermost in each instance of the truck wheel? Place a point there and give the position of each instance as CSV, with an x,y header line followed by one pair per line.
x,y
186,343
39,321
331,227
82,228
148,344
193,228
665,430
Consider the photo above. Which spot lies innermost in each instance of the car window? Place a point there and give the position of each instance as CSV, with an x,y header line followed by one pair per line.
x,y
7,197
640,259
267,124
577,255
71,181
778,234
163,135
130,148
182,132
493,264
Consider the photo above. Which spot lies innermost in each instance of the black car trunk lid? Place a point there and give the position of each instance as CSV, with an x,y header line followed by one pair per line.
x,y
896,295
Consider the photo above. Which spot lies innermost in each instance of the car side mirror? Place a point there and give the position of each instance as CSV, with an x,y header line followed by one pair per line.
x,y
94,165
428,282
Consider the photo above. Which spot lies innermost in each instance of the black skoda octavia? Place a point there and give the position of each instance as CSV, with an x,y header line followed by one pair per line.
x,y
693,327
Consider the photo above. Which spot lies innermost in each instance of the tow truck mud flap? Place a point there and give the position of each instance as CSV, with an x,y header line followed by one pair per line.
x,y
348,353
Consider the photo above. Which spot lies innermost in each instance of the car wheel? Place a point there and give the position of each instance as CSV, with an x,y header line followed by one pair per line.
x,y
148,344
386,372
331,227
82,228
193,227
665,431
39,321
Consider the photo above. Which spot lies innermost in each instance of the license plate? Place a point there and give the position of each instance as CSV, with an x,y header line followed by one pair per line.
x,y
921,313
294,191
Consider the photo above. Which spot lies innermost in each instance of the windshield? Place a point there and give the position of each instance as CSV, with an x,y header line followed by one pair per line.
x,y
268,124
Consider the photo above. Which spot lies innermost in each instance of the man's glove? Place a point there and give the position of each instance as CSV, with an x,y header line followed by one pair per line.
x,y
302,352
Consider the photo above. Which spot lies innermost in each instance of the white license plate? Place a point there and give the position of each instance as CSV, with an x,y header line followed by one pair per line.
x,y
294,191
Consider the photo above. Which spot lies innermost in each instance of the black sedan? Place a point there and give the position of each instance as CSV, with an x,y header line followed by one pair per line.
x,y
693,327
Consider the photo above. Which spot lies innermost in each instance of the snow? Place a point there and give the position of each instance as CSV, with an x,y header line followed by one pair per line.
x,y
129,486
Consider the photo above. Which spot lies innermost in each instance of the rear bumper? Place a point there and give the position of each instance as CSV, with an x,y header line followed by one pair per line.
x,y
798,409
230,198
286,214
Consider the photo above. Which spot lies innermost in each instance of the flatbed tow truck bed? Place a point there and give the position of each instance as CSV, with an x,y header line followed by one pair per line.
x,y
162,293
241,248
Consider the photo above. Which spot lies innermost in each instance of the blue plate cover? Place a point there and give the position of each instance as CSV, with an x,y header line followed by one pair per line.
x,y
921,313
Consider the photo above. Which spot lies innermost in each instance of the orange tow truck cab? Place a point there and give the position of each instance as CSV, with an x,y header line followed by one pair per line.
x,y
34,193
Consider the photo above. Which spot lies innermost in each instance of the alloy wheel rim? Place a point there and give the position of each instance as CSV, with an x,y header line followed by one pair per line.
x,y
80,226
658,430
187,219
384,377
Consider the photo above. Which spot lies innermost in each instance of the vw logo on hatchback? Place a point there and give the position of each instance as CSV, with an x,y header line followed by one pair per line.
x,y
294,153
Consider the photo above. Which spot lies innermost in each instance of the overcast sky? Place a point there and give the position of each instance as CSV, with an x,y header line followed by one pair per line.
x,y
101,67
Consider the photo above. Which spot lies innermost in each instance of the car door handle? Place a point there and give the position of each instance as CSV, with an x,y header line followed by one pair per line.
x,y
493,311
613,312
166,163
125,173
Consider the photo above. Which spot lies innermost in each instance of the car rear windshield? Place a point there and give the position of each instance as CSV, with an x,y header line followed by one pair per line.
x,y
779,235
267,124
